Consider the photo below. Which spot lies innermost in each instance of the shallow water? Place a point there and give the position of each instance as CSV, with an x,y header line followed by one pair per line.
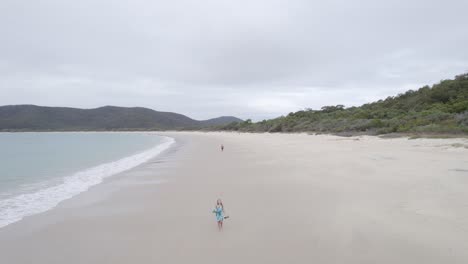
x,y
39,170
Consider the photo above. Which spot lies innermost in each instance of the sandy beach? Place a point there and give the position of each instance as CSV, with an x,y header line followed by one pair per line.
x,y
291,198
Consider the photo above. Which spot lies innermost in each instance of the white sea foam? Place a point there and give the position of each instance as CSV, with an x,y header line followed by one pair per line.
x,y
16,208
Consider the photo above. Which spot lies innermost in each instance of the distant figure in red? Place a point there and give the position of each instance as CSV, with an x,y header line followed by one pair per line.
x,y
222,147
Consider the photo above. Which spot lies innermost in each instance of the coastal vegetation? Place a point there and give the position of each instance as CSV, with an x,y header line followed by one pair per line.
x,y
442,108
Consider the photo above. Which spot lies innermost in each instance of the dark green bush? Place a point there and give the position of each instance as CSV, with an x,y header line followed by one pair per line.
x,y
440,108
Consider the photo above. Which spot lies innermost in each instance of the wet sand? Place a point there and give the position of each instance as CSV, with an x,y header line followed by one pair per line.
x,y
291,199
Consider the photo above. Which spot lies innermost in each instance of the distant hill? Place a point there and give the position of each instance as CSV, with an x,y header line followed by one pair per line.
x,y
222,120
40,118
442,108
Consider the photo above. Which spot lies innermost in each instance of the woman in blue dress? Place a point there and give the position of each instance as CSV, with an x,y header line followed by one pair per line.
x,y
219,212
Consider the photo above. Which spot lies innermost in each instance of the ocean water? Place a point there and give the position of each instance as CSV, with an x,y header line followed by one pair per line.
x,y
39,170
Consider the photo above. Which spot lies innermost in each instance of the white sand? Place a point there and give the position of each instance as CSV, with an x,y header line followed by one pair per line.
x,y
291,199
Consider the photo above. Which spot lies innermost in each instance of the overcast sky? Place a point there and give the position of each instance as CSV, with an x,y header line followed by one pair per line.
x,y
205,58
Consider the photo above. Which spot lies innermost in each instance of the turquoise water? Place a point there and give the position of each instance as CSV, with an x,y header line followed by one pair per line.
x,y
38,170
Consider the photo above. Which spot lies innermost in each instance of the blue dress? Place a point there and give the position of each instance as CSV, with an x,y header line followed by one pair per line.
x,y
219,213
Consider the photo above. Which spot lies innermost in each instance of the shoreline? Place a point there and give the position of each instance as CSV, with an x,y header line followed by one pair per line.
x,y
409,135
290,198
15,208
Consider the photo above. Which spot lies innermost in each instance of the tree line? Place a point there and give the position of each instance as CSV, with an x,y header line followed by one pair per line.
x,y
442,108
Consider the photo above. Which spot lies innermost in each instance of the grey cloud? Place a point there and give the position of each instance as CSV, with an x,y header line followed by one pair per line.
x,y
206,58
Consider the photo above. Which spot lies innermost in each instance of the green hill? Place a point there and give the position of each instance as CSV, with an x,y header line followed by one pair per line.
x,y
442,108
40,118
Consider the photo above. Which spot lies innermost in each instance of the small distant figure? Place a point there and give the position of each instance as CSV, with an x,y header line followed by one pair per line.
x,y
219,212
222,147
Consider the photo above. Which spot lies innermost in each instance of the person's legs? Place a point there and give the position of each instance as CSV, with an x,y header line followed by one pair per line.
x,y
220,225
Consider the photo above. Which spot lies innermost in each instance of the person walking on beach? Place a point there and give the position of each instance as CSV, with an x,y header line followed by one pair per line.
x,y
219,212
222,147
